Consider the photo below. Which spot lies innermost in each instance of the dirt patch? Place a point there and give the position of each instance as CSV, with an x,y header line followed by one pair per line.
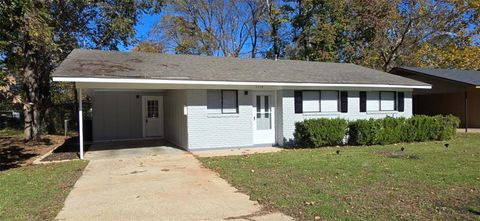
x,y
67,151
15,152
397,154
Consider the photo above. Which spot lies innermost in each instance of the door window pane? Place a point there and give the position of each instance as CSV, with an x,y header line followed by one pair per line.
x,y
259,106
267,108
264,120
152,108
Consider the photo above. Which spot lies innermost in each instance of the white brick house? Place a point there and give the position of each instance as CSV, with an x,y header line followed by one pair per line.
x,y
200,102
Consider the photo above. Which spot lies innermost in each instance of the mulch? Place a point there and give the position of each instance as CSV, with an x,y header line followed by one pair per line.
x,y
67,151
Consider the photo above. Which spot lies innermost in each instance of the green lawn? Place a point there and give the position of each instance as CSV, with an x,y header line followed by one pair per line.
x,y
10,132
37,192
426,181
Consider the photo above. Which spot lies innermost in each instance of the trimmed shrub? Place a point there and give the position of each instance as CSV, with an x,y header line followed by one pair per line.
x,y
320,132
363,132
389,130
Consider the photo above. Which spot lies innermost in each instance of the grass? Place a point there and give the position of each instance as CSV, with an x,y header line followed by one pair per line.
x,y
10,132
426,181
37,192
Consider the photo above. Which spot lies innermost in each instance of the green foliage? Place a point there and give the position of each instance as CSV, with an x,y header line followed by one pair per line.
x,y
35,36
394,130
320,132
389,130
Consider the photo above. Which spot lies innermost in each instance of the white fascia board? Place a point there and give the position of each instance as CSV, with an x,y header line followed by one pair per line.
x,y
236,83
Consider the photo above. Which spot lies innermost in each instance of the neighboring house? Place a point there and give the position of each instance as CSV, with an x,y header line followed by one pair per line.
x,y
199,102
455,92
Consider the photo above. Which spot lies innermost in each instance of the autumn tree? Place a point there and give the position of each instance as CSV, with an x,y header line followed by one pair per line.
x,y
213,27
36,35
149,47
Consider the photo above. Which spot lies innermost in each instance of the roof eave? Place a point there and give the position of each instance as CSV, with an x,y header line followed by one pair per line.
x,y
236,83
400,69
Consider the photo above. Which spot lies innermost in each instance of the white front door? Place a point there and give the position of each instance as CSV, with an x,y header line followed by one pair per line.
x,y
153,116
263,118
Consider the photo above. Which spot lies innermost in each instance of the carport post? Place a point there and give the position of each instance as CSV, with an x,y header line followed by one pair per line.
x,y
80,121
466,111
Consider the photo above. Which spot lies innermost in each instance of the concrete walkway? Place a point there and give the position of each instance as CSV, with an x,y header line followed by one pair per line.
x,y
235,151
165,184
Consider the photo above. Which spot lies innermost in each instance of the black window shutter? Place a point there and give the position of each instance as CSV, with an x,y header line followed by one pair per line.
x,y
401,101
363,101
344,101
298,102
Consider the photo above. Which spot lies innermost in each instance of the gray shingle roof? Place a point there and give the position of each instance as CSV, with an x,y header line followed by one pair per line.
x,y
462,76
113,64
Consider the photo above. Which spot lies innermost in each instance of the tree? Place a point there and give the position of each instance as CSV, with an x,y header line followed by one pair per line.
x,y
41,33
276,18
409,25
149,47
449,57
211,27
258,13
302,23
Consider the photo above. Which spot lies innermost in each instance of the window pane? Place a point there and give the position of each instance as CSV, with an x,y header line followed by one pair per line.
x,y
264,121
267,108
329,101
229,102
311,101
259,106
152,108
373,101
214,101
388,100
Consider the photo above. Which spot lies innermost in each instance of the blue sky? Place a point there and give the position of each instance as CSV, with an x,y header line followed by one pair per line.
x,y
142,28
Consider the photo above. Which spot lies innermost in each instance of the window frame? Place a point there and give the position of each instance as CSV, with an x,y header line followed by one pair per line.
x,y
320,102
222,111
395,106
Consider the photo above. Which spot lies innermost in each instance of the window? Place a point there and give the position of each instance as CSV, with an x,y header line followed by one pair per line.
x,y
387,101
222,102
381,101
373,98
319,101
152,108
311,101
329,101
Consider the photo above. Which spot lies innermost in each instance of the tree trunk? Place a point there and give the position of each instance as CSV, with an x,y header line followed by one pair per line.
x,y
31,106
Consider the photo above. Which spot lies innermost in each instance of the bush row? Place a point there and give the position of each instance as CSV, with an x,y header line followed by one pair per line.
x,y
389,130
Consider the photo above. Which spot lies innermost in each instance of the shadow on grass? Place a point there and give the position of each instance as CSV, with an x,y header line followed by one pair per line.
x,y
13,156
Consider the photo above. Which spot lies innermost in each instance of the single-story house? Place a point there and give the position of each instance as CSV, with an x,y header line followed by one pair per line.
x,y
199,102
455,92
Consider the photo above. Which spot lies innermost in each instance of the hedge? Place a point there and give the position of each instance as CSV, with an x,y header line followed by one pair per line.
x,y
320,132
389,130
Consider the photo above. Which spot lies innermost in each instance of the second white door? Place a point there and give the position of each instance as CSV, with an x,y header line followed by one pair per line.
x,y
153,116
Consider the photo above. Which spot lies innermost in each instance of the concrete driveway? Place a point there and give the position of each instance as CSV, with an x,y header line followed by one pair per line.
x,y
156,184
